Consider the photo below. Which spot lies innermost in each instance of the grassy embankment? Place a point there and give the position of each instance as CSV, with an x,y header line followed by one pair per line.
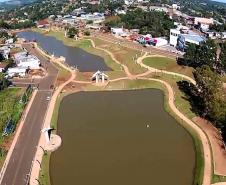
x,y
10,107
168,64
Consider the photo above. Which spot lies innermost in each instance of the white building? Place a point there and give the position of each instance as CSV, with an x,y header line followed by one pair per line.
x,y
117,31
30,62
174,34
20,55
4,51
9,41
95,17
175,6
17,71
203,23
160,42
23,59
159,9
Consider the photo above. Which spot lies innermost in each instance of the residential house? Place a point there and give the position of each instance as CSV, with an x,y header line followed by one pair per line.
x,y
203,23
117,31
9,41
17,71
43,23
5,51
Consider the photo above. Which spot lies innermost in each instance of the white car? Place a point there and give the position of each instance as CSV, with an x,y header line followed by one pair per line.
x,y
48,98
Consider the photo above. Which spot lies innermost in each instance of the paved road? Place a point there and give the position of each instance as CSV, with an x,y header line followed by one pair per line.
x,y
21,160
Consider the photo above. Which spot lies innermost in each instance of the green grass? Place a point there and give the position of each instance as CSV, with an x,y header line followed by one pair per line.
x,y
9,99
44,178
168,64
124,55
218,178
62,72
9,103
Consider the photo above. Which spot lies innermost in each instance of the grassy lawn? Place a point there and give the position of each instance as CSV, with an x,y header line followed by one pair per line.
x,y
44,178
168,64
218,178
124,55
180,99
8,98
63,74
9,104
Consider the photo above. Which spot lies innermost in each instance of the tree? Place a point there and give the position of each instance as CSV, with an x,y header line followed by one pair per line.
x,y
222,58
210,90
87,33
204,54
3,82
72,32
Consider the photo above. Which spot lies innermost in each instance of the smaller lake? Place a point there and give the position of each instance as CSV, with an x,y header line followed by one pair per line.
x,y
121,138
85,62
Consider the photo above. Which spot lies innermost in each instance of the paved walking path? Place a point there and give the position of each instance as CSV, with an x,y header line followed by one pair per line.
x,y
206,147
126,69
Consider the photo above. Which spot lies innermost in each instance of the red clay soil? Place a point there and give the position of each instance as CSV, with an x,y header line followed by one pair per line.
x,y
218,147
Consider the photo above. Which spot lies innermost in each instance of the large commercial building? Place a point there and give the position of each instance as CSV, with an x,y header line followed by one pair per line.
x,y
180,39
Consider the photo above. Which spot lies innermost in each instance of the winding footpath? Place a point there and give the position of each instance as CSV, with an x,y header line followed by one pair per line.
x,y
206,147
140,62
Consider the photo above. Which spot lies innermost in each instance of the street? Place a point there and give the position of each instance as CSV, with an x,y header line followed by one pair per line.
x,y
18,168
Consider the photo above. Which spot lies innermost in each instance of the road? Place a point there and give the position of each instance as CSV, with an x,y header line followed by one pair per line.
x,y
20,162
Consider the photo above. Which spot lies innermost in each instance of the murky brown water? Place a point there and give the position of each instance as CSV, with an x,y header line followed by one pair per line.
x,y
106,141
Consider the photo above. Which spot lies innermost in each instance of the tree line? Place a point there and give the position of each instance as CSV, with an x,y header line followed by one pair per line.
x,y
148,22
207,97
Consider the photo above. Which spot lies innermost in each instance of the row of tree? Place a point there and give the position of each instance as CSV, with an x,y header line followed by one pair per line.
x,y
207,53
16,25
208,95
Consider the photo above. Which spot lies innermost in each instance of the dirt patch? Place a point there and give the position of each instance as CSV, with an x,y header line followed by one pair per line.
x,y
218,147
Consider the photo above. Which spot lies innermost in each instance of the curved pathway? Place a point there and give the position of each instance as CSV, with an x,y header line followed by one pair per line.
x,y
205,143
140,62
126,69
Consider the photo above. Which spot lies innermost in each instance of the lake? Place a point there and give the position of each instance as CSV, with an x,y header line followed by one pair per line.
x,y
85,62
121,138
